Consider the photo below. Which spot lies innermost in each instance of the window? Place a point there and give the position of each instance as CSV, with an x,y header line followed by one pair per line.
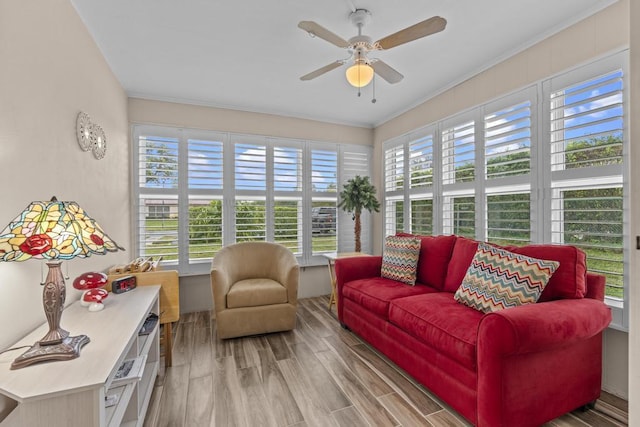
x,y
586,113
197,191
544,164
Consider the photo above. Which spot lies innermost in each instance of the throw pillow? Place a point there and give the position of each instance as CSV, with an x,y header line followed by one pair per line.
x,y
499,279
400,259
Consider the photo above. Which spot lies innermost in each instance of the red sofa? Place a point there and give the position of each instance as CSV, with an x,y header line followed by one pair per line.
x,y
520,366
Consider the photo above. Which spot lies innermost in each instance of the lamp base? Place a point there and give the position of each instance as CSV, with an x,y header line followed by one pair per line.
x,y
68,349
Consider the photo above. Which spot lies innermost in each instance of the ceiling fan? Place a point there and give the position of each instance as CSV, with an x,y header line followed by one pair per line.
x,y
359,47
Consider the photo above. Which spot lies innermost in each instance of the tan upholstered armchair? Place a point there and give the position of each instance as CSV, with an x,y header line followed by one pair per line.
x,y
255,289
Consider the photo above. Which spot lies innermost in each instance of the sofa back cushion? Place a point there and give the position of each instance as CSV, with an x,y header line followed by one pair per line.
x,y
570,279
463,252
435,253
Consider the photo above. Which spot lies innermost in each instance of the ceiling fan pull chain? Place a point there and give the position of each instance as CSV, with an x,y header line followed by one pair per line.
x,y
373,100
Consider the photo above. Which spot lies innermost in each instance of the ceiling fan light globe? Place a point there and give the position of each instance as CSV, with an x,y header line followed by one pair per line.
x,y
359,75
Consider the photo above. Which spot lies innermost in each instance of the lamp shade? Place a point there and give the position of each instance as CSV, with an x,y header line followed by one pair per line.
x,y
359,74
53,230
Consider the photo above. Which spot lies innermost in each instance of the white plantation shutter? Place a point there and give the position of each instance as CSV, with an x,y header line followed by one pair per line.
x,y
394,184
587,127
158,226
508,218
587,122
324,185
422,216
205,183
507,141
458,153
251,219
250,167
394,169
157,207
354,160
197,191
458,216
421,162
288,206
592,219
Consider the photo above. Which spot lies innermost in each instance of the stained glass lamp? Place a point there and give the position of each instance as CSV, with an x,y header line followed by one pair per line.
x,y
56,231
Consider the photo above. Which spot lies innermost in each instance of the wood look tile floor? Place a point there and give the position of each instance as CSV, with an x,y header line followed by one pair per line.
x,y
317,375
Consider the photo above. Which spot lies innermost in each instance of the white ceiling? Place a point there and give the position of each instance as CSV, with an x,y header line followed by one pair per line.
x,y
249,54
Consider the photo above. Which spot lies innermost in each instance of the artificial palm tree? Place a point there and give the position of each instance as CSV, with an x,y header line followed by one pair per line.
x,y
358,194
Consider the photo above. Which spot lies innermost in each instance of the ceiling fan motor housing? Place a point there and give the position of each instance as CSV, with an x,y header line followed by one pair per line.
x,y
360,17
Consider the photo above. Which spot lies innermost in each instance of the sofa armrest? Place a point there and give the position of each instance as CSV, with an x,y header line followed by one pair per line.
x,y
536,327
536,350
354,268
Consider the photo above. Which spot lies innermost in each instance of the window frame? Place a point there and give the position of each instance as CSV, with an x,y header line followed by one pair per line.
x,y
228,193
539,182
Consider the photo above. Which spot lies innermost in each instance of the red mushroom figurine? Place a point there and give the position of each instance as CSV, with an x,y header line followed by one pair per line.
x,y
86,282
94,298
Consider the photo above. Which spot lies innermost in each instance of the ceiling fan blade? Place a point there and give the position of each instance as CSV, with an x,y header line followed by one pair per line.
x,y
386,72
427,27
319,31
321,71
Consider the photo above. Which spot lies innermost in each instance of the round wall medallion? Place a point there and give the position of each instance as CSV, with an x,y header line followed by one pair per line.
x,y
83,131
99,142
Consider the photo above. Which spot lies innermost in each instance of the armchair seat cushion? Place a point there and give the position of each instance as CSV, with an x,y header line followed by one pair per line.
x,y
256,292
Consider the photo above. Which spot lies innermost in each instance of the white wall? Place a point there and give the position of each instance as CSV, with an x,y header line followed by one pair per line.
x,y
596,36
50,69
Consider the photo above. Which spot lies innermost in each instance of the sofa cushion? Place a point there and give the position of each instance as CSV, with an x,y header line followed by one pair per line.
x,y
570,279
438,321
375,293
463,252
499,279
435,253
256,292
400,258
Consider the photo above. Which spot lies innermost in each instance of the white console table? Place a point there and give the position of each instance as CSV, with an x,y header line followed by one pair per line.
x,y
72,393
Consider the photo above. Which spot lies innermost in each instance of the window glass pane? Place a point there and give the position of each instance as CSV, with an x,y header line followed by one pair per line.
x,y
422,216
459,216
458,153
157,162
394,216
421,162
394,168
250,167
587,123
205,164
287,169
288,224
205,228
324,171
250,220
507,136
592,219
509,219
323,226
158,225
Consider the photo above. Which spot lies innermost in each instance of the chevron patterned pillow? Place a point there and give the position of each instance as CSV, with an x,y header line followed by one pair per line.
x,y
499,279
400,259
